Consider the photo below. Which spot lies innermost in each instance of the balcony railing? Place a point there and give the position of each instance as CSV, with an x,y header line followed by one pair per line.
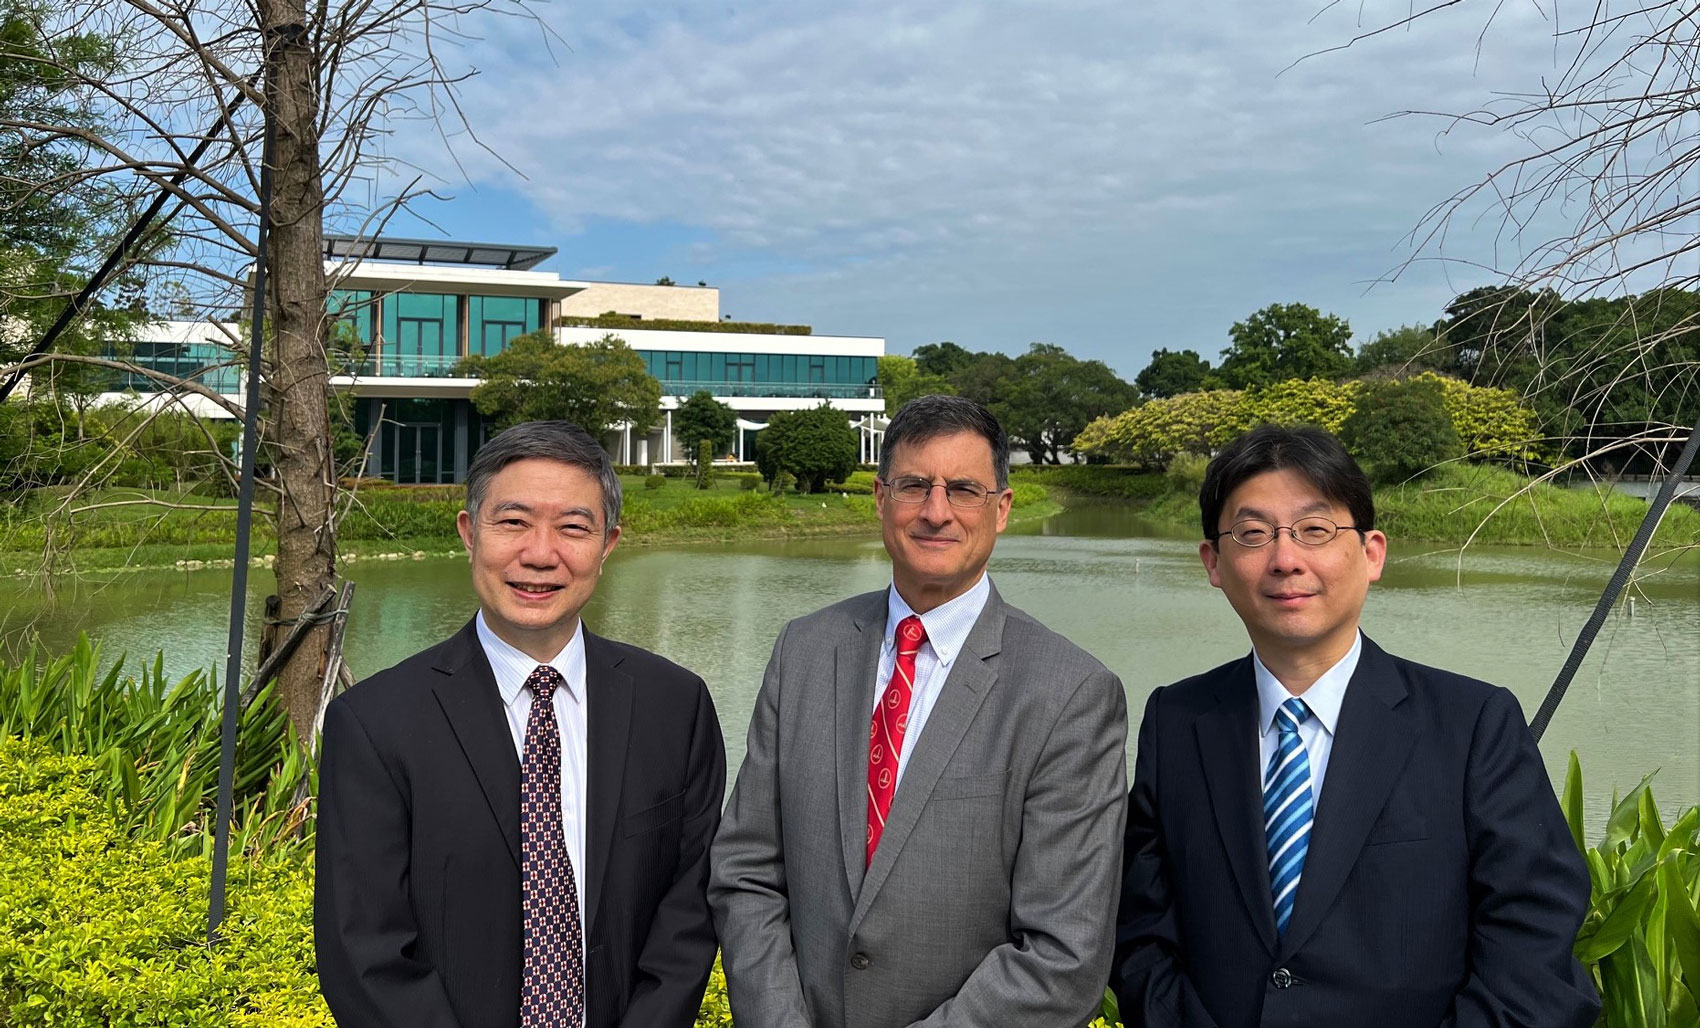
x,y
824,390
434,366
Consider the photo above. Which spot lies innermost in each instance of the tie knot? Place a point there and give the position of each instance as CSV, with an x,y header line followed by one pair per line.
x,y
544,681
1292,714
910,635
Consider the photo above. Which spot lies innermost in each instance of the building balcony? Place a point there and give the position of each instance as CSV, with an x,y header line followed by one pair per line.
x,y
435,366
823,390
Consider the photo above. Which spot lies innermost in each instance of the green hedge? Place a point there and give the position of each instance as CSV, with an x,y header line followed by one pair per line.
x,y
617,321
100,929
97,928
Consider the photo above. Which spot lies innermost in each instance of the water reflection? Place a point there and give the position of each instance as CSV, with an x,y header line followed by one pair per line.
x,y
1130,593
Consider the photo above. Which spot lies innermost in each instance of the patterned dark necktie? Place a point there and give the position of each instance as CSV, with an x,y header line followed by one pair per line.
x,y
551,991
890,724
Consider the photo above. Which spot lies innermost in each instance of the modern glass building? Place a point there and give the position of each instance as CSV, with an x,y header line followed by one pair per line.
x,y
407,311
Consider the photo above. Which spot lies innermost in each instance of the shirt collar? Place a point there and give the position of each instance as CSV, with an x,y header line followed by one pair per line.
x,y
947,624
1324,697
512,667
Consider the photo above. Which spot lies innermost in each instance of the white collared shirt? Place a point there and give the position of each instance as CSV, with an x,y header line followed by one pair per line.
x,y
947,625
512,668
1324,698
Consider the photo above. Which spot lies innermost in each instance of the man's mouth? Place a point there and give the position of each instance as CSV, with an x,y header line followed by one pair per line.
x,y
535,590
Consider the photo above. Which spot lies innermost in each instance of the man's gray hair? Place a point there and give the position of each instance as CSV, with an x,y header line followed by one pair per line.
x,y
927,417
559,441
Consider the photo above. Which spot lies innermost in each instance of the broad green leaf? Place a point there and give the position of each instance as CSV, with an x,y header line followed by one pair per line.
x,y
1625,816
1622,922
1682,923
1652,826
1571,800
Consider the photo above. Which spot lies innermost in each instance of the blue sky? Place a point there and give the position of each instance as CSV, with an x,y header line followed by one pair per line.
x,y
1109,177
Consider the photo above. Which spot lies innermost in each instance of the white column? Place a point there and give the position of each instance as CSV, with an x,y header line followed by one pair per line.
x,y
643,451
667,440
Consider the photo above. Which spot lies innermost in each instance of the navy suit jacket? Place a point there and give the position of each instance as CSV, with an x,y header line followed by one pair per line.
x,y
417,905
1442,886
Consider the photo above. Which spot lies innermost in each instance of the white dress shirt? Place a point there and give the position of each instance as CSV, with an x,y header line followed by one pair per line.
x,y
1324,698
512,668
947,628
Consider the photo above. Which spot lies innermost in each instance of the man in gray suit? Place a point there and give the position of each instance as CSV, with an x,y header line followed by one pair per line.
x,y
927,825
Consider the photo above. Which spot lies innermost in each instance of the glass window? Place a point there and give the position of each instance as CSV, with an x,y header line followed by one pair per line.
x,y
420,333
493,320
355,312
817,370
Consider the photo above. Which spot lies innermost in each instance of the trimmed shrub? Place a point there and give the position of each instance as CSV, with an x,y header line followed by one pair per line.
x,y
653,482
1401,429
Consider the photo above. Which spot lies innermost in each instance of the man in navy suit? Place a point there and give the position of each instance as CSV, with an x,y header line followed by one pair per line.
x,y
1321,833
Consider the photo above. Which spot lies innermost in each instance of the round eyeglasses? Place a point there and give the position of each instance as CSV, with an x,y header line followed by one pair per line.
x,y
1313,531
916,490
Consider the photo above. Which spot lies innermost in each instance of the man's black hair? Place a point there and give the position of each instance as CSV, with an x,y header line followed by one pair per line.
x,y
1311,452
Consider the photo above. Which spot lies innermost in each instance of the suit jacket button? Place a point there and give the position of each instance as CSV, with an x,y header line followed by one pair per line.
x,y
860,961
1281,978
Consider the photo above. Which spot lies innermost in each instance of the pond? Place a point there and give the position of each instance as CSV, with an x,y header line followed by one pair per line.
x,y
1131,593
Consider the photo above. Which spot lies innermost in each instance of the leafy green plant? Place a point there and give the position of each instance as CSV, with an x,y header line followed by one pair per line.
x,y
1641,937
156,742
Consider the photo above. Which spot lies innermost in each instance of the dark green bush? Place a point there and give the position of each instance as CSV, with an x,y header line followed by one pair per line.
x,y
1401,429
654,482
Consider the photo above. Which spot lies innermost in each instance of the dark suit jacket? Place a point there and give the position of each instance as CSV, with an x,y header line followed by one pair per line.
x,y
417,899
1442,887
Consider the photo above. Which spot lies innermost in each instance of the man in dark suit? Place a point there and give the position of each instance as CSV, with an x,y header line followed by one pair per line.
x,y
1321,833
514,824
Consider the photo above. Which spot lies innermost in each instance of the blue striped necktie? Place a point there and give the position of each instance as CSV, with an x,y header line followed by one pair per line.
x,y
1288,808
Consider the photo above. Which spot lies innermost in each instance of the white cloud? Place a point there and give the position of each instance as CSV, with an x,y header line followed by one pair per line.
x,y
1109,176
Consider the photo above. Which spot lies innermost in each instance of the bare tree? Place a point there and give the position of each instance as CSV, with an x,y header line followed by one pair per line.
x,y
1601,202
332,77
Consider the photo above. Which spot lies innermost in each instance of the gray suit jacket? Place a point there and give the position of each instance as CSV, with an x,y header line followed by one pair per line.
x,y
992,894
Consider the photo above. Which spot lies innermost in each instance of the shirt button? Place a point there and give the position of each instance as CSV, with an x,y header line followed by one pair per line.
x,y
860,961
1281,978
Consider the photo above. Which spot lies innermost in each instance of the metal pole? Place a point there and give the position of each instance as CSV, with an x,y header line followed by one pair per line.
x,y
244,523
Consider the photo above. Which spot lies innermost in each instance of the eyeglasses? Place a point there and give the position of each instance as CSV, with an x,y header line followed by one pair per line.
x,y
1315,531
916,490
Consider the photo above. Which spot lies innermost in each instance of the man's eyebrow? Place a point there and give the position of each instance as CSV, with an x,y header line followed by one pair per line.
x,y
1313,507
521,507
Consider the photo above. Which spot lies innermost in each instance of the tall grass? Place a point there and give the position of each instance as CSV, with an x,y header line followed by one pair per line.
x,y
157,744
1481,504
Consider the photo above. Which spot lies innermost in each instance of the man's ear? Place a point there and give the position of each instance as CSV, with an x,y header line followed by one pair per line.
x,y
467,529
1211,556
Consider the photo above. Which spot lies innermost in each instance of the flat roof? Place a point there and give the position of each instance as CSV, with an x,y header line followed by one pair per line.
x,y
509,256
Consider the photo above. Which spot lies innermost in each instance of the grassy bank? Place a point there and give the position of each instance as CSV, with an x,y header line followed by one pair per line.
x,y
400,523
1453,506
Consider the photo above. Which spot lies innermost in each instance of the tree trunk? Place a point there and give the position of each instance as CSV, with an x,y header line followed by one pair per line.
x,y
298,393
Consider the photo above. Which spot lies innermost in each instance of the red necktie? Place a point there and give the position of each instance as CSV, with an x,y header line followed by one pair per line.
x,y
891,720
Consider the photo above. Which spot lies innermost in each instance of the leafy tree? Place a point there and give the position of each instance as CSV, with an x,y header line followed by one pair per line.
x,y
1173,372
1051,395
986,378
1286,340
901,380
944,359
1401,429
817,446
1403,350
595,385
55,223
707,426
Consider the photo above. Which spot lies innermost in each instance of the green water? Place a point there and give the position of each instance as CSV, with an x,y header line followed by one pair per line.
x,y
1132,594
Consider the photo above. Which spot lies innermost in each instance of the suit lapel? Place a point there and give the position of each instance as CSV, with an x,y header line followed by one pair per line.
x,y
470,700
855,664
1227,746
608,721
971,678
1372,742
